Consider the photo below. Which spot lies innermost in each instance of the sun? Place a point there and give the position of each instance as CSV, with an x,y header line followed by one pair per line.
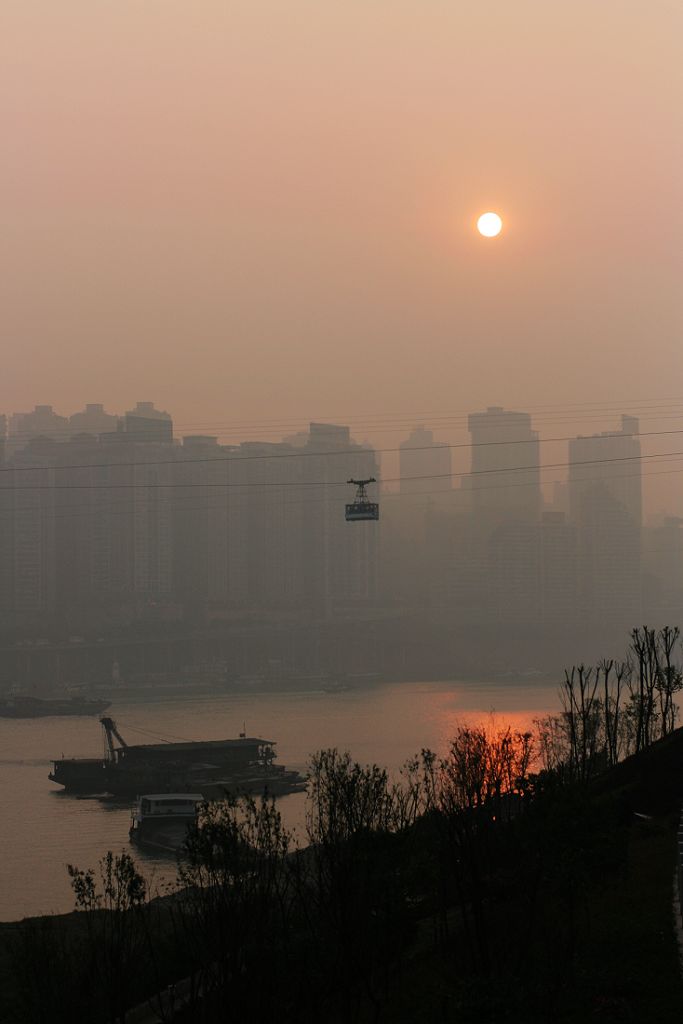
x,y
489,225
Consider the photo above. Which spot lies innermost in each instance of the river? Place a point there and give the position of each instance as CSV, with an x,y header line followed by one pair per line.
x,y
43,829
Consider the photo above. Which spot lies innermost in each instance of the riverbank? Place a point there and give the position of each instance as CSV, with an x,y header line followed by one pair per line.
x,y
566,912
44,829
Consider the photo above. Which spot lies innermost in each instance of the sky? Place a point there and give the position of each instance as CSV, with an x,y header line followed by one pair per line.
x,y
257,213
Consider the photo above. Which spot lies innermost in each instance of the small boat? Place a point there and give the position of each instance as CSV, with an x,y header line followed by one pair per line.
x,y
38,707
160,820
335,687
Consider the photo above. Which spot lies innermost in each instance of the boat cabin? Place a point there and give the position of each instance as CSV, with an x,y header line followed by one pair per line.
x,y
162,820
153,806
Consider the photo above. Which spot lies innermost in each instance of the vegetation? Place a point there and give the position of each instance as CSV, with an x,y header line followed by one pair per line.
x,y
509,880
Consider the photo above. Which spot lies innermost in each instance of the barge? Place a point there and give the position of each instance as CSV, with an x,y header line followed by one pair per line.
x,y
211,767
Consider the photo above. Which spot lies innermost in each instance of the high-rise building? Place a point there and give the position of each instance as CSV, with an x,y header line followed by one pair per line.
x,y
86,524
514,572
145,423
92,420
502,560
27,522
609,564
559,580
663,565
605,505
425,464
505,479
114,501
42,422
340,559
417,530
611,459
194,500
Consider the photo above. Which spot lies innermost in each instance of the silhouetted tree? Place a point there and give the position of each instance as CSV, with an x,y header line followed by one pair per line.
x,y
113,907
235,904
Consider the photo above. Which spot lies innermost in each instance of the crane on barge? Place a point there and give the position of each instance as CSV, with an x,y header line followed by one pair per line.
x,y
111,733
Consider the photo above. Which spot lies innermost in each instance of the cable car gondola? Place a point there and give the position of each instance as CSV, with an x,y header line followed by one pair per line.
x,y
361,508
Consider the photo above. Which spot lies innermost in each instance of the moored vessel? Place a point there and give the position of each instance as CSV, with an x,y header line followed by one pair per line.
x,y
160,820
210,767
46,707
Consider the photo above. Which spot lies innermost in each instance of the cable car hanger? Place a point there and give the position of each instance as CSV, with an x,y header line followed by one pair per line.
x,y
361,508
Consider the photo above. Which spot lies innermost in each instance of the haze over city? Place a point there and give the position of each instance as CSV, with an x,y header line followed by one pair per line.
x,y
341,511
265,212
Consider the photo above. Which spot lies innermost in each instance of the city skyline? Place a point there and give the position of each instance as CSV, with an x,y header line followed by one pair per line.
x,y
448,464
99,528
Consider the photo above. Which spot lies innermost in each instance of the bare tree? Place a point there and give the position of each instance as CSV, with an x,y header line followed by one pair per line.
x,y
581,712
669,678
113,909
236,894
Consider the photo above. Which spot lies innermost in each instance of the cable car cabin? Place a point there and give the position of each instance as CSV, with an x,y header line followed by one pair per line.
x,y
361,509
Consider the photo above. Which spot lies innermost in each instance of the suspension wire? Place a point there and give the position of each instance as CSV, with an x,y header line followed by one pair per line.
x,y
360,450
105,511
332,483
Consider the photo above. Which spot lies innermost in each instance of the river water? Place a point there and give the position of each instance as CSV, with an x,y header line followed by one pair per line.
x,y
43,829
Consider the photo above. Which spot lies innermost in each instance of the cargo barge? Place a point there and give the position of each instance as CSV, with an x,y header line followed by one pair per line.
x,y
211,767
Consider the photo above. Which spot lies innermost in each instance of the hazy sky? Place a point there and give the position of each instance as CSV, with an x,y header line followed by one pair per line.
x,y
252,210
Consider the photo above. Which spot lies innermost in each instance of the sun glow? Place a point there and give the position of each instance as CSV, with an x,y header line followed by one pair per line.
x,y
489,225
